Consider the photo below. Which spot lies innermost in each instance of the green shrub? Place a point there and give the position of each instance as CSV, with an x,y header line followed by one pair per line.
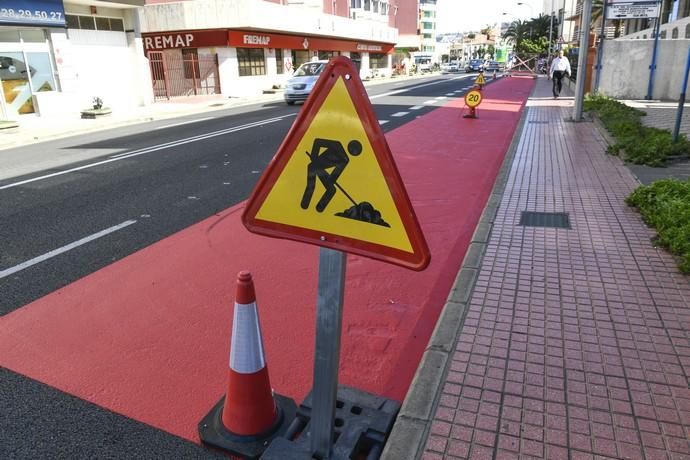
x,y
640,144
665,205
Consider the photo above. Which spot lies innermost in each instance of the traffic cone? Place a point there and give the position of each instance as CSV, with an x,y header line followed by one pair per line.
x,y
250,415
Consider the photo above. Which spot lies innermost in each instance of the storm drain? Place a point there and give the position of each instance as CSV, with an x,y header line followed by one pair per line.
x,y
545,219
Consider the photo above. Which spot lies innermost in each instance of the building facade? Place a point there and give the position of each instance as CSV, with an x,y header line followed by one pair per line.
x,y
56,57
131,52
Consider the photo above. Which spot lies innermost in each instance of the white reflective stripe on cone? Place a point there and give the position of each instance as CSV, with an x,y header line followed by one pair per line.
x,y
246,346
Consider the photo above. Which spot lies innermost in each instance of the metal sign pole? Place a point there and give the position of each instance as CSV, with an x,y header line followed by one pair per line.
x,y
681,100
652,66
582,60
329,318
600,52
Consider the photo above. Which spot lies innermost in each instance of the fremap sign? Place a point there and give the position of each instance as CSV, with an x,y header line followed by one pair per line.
x,y
36,13
333,181
632,9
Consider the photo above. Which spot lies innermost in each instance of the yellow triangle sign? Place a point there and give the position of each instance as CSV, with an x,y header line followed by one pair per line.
x,y
480,79
333,181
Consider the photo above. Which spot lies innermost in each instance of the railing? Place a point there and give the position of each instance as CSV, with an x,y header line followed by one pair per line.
x,y
177,74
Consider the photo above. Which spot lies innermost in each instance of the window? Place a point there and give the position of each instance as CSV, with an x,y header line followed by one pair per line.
x,y
367,5
427,35
674,33
687,31
378,61
251,61
376,6
280,65
325,55
94,23
384,8
355,3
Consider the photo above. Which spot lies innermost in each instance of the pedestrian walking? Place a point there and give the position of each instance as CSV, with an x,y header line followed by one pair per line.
x,y
560,66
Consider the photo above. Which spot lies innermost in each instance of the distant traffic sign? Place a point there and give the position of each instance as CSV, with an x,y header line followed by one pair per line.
x,y
473,98
480,79
632,9
333,181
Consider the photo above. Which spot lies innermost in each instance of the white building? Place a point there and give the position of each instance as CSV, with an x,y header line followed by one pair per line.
x,y
56,57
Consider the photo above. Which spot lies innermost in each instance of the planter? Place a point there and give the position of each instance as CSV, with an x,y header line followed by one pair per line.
x,y
96,113
7,124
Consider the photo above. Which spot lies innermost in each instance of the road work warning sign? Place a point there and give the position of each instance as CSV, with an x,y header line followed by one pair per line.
x,y
480,80
333,181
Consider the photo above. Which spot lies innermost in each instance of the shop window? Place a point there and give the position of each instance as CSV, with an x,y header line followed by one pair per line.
x,y
251,61
41,72
378,61
299,57
280,64
325,55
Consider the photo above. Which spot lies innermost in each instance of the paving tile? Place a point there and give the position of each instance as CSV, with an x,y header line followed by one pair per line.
x,y
576,342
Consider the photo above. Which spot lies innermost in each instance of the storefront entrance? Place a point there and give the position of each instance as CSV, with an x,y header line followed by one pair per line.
x,y
25,69
183,72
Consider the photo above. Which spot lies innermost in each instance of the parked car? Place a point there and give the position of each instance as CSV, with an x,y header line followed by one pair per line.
x,y
474,65
299,86
490,66
450,66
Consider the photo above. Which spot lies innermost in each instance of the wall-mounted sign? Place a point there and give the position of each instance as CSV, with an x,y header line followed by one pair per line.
x,y
41,13
188,39
631,9
251,39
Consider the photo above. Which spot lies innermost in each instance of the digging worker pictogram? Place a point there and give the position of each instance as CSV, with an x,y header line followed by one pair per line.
x,y
327,154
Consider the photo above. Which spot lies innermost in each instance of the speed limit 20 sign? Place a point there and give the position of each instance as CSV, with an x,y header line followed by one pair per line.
x,y
473,98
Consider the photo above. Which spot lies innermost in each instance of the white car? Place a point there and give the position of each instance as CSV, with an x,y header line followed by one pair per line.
x,y
299,86
450,67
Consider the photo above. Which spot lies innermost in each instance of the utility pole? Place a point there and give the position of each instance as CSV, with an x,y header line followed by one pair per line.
x,y
551,30
582,59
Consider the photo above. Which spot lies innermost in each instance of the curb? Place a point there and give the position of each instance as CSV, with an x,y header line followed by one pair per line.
x,y
406,441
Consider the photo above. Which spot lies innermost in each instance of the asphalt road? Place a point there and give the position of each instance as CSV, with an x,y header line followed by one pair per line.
x,y
145,182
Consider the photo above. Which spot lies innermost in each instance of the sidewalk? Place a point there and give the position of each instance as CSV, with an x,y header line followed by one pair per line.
x,y
34,129
556,343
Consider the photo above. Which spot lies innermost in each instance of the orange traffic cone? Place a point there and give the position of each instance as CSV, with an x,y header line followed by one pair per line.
x,y
250,414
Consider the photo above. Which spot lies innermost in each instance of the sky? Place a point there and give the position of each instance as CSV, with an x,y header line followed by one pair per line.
x,y
467,15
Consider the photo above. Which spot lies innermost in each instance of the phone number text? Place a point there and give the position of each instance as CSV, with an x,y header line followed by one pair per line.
x,y
37,15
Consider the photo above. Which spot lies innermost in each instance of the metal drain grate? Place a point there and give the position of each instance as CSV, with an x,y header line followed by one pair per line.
x,y
545,219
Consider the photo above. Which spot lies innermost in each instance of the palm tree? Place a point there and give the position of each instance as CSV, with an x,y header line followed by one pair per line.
x,y
517,32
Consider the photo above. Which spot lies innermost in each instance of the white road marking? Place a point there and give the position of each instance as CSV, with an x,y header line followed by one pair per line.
x,y
440,98
430,101
58,251
184,123
383,122
153,148
458,91
399,114
450,94
416,107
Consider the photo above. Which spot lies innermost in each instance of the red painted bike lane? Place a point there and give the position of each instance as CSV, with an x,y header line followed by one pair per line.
x,y
147,337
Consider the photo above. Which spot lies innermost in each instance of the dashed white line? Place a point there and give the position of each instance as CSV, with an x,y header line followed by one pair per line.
x,y
430,101
153,148
383,122
450,94
440,98
68,247
416,107
399,114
